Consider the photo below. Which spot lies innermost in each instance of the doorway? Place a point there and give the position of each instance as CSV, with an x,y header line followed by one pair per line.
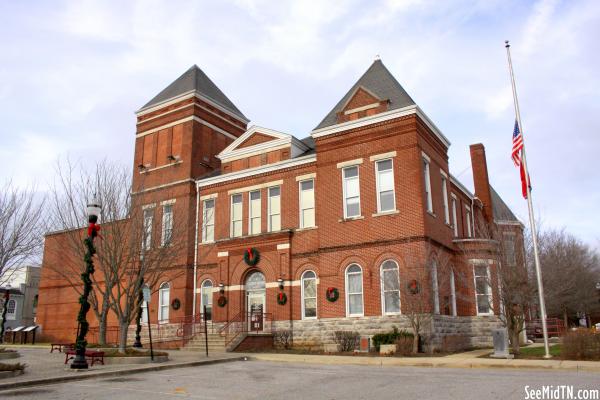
x,y
255,301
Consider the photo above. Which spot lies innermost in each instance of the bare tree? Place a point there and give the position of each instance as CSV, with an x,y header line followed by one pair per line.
x,y
21,229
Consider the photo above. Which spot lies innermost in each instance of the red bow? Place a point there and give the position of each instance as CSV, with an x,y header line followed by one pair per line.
x,y
249,250
93,230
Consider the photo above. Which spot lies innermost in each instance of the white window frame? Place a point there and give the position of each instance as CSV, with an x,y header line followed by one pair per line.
x,y
231,220
378,185
301,207
148,221
167,232
469,217
11,316
204,288
144,307
490,293
452,293
362,291
206,223
427,182
345,199
383,291
454,218
270,209
256,218
445,197
509,237
303,296
164,287
435,287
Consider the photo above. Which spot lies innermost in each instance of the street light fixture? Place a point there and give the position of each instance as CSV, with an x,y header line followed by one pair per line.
x,y
93,212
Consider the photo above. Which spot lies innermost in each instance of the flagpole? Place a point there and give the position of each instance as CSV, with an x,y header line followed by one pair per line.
x,y
538,270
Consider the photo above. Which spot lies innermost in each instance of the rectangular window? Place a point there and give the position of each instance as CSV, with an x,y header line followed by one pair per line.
x,y
483,289
427,184
351,192
445,198
509,250
167,224
385,186
255,213
436,289
274,209
307,203
148,218
208,221
236,215
452,294
454,219
468,218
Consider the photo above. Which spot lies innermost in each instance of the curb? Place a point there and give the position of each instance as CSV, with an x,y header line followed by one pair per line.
x,y
106,374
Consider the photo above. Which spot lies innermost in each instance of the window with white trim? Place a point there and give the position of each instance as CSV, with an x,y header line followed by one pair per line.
x,y
274,209
307,203
309,295
11,310
509,249
144,308
386,200
483,289
452,294
390,287
254,213
454,219
354,291
148,219
206,299
468,218
427,185
236,215
445,198
351,188
435,287
163,302
208,220
167,224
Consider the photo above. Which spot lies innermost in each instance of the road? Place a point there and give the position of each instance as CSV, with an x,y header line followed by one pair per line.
x,y
283,381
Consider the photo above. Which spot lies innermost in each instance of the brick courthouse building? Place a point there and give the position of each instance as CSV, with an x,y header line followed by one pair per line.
x,y
365,205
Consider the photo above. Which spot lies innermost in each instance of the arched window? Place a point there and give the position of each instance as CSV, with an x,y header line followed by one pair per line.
x,y
309,295
11,310
163,302
145,307
206,298
256,281
354,291
390,287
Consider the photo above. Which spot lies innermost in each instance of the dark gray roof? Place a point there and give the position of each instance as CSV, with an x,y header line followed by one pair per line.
x,y
379,81
195,79
500,209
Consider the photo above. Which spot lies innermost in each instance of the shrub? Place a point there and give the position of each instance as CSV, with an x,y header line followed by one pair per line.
x,y
346,340
283,339
404,345
389,337
12,367
581,344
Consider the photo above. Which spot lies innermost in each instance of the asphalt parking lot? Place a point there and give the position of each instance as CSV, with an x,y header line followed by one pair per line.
x,y
282,381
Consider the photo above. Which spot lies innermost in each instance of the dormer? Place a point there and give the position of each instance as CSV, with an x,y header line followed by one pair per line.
x,y
260,146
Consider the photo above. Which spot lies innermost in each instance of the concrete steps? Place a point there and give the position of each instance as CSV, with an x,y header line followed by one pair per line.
x,y
216,343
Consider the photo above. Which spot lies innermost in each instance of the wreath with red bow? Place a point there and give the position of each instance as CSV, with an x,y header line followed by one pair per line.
x,y
251,256
413,287
222,301
332,294
281,298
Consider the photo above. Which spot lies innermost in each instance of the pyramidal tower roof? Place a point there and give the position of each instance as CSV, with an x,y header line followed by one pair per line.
x,y
194,79
379,81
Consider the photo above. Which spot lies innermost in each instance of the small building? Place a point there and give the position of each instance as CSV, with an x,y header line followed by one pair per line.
x,y
22,284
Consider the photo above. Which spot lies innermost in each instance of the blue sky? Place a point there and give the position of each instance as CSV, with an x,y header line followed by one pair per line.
x,y
73,73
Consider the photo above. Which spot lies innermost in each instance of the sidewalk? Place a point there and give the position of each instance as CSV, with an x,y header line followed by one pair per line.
x,y
44,367
461,360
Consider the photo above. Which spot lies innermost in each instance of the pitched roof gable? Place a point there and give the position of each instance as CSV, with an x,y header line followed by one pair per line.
x,y
500,209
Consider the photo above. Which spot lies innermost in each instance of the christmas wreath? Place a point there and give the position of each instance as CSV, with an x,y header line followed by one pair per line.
x,y
332,294
413,287
222,301
251,256
281,298
176,304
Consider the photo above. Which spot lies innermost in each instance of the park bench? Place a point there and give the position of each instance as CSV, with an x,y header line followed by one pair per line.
x,y
61,346
91,356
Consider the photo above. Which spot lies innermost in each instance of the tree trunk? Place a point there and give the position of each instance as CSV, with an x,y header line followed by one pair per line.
x,y
415,345
102,327
515,340
123,330
566,318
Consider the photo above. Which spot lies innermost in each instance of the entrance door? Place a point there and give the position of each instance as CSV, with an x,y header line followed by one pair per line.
x,y
255,301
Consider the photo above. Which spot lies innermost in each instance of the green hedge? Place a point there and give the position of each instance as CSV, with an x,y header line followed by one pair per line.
x,y
389,337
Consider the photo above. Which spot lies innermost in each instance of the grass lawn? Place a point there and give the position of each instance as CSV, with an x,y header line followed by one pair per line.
x,y
538,352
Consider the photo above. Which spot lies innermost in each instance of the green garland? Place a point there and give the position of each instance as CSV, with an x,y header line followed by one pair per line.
x,y
84,326
138,319
222,301
281,298
4,310
251,256
332,294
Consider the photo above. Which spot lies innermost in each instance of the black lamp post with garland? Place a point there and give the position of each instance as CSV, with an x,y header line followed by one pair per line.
x,y
93,211
4,311
138,319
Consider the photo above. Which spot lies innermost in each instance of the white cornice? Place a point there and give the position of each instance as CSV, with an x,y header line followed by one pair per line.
x,y
381,117
256,171
461,187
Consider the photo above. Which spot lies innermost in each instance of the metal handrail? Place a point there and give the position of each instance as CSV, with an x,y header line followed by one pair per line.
x,y
238,325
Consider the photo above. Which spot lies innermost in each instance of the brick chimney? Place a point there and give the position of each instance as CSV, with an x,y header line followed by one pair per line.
x,y
481,180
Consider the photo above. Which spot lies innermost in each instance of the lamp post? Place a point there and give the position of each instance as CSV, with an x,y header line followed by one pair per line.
x,y
4,311
93,211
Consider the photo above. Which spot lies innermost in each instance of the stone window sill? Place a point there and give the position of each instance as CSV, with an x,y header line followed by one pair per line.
x,y
308,228
351,219
381,214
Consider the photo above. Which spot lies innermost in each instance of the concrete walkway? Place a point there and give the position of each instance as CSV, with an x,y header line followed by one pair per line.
x,y
44,367
461,360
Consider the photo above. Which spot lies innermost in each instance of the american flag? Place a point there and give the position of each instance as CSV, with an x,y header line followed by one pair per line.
x,y
517,148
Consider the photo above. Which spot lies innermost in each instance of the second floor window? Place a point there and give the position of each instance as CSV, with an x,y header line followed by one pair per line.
x,y
274,209
469,218
255,211
208,221
509,249
147,230
427,185
454,219
351,192
385,186
307,203
445,199
167,224
236,215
